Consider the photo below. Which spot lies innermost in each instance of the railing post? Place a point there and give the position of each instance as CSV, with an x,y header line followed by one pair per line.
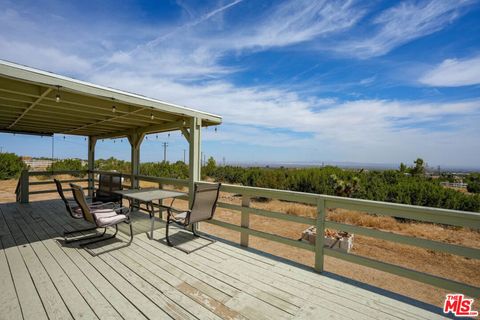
x,y
245,221
24,187
319,238
92,141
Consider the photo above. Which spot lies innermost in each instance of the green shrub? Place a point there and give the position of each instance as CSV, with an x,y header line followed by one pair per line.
x,y
11,166
68,165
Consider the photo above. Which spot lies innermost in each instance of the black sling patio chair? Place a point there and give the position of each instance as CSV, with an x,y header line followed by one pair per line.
x,y
107,184
101,217
73,209
203,208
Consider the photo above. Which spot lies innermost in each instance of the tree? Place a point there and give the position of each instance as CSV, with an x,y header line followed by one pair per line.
x,y
67,165
210,167
419,168
473,183
345,188
11,166
403,168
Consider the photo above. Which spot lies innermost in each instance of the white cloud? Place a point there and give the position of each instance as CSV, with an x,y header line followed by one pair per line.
x,y
47,58
298,21
454,73
356,130
403,23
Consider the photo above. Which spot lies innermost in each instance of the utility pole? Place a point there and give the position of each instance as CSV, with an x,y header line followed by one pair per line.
x,y
165,145
201,159
224,161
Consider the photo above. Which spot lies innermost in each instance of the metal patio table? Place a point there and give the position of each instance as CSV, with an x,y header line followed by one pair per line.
x,y
137,197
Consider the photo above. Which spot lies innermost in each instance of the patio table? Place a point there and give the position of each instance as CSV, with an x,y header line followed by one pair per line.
x,y
136,197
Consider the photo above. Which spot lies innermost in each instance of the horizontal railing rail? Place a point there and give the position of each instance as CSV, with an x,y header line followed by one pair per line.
x,y
23,190
323,203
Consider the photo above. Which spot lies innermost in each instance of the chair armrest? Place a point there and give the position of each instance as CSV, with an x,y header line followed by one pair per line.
x,y
105,205
173,210
96,204
122,210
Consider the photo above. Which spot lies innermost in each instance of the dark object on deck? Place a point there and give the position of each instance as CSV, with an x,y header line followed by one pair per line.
x,y
107,215
203,208
107,184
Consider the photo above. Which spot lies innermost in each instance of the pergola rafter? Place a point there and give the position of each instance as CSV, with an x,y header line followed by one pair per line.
x,y
36,102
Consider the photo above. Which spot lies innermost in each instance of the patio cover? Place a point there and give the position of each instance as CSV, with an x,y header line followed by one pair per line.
x,y
33,101
28,105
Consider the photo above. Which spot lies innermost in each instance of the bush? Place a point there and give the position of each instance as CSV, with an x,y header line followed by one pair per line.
x,y
67,165
11,166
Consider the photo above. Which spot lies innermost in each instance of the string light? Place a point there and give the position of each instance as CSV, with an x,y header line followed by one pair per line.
x,y
114,109
151,116
184,122
57,97
169,135
215,129
156,136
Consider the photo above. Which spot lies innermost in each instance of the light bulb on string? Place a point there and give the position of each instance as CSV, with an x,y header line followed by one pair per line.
x,y
57,97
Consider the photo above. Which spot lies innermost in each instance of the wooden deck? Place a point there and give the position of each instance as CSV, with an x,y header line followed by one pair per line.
x,y
43,278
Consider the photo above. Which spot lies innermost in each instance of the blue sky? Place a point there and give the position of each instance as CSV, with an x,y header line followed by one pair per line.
x,y
356,81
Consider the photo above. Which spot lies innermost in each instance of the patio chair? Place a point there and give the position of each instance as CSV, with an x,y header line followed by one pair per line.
x,y
72,208
203,208
101,216
107,184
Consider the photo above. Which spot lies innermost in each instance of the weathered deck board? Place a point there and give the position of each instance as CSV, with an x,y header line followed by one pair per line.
x,y
51,298
10,306
41,277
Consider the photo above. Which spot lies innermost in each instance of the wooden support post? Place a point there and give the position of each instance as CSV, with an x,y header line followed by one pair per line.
x,y
24,187
194,155
135,140
319,238
245,221
92,141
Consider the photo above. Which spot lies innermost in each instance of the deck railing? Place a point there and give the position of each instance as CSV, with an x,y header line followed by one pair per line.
x,y
325,202
23,191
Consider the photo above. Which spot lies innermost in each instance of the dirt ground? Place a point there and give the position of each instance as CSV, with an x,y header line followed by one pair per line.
x,y
440,264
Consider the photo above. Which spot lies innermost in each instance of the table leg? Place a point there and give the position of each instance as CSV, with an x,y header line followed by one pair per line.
x,y
152,219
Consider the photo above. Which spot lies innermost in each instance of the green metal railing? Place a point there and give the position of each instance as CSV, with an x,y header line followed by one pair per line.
x,y
325,202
